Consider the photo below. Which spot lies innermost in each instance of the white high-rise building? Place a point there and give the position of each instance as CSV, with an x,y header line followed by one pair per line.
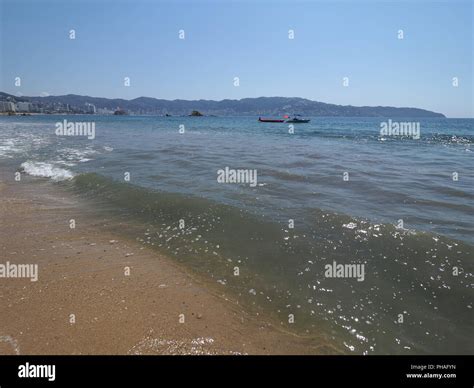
x,y
90,108
7,106
24,106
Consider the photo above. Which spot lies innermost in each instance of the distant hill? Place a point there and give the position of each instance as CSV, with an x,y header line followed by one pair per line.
x,y
261,106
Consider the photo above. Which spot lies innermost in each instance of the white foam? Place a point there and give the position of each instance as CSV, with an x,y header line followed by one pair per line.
x,y
46,170
72,156
9,147
12,341
75,154
195,346
350,225
69,164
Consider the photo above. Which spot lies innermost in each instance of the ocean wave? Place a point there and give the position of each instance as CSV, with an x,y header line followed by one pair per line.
x,y
9,147
284,175
15,141
46,170
75,153
72,156
284,268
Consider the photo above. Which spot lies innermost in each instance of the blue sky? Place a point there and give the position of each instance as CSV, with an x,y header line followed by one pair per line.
x,y
245,39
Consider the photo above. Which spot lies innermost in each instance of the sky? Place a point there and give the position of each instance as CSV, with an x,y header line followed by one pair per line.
x,y
246,39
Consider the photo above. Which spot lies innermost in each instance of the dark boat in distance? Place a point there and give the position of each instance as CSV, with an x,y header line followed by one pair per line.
x,y
270,120
294,119
297,119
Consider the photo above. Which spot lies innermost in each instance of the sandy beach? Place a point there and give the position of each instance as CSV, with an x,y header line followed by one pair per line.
x,y
98,293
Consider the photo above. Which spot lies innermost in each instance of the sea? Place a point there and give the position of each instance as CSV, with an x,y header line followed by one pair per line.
x,y
327,197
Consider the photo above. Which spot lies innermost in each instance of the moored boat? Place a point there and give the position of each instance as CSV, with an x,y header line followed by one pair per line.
x,y
297,119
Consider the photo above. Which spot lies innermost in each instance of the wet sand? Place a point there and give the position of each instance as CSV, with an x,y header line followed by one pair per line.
x,y
100,293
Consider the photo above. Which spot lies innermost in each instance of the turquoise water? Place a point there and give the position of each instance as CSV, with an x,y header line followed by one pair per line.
x,y
173,177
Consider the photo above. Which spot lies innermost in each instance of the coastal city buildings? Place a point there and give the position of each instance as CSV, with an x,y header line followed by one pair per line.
x,y
17,105
7,106
24,106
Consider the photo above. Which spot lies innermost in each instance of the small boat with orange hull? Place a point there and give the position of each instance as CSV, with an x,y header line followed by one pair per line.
x,y
270,120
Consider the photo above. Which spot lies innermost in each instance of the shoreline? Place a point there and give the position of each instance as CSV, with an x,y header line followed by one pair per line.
x,y
100,293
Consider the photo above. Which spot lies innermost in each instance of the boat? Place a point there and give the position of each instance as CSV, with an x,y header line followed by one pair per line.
x,y
270,120
120,112
297,119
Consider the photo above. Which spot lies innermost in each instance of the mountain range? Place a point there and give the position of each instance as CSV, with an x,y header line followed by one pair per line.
x,y
261,106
